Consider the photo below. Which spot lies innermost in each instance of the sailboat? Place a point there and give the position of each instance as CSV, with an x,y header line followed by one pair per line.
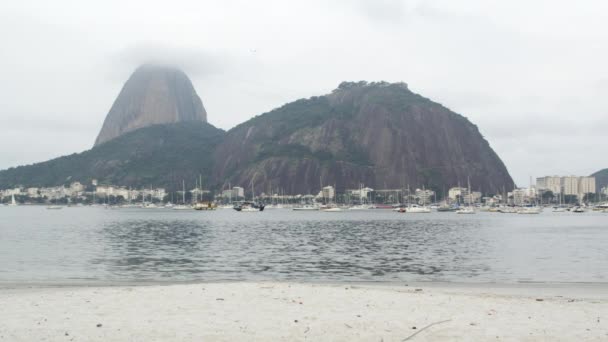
x,y
360,206
13,202
468,209
332,207
182,206
417,209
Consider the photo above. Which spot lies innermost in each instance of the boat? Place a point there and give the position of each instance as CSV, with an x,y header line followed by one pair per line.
x,y
466,210
559,209
306,208
225,206
418,210
331,209
205,206
182,206
578,209
13,202
54,207
446,208
602,207
360,207
248,206
507,210
530,210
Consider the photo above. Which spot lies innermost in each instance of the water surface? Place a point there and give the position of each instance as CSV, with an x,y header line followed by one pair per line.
x,y
84,244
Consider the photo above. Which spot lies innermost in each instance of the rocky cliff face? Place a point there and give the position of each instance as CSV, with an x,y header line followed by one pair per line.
x,y
379,134
152,95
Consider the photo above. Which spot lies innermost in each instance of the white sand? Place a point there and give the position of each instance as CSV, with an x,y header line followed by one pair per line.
x,y
298,312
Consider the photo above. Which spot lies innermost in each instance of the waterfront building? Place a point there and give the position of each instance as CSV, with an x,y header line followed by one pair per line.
x,y
328,192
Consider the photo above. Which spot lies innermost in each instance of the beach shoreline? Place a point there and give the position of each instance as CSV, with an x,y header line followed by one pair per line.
x,y
284,311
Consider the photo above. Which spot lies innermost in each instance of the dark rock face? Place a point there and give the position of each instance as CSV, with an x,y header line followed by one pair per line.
x,y
152,95
379,134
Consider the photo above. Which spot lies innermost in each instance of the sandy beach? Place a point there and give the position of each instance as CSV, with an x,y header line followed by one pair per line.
x,y
300,312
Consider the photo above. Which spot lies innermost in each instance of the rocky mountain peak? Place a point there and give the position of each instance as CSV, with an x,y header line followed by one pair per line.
x,y
154,94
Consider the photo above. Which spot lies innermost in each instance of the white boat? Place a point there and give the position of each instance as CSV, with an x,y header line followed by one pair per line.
x,y
225,206
149,206
559,209
181,207
466,210
507,210
360,207
418,210
54,207
578,210
13,202
306,208
530,210
249,209
602,207
169,205
331,209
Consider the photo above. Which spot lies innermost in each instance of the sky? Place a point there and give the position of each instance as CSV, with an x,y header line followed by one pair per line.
x,y
532,75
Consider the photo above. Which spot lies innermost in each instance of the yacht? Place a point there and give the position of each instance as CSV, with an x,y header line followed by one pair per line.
x,y
418,210
331,209
360,207
578,210
530,210
248,206
181,207
307,207
54,207
466,210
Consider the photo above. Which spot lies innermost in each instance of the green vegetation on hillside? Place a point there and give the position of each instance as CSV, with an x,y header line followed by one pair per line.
x,y
160,155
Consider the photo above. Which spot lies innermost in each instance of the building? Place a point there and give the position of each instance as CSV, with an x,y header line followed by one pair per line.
x,y
237,192
360,193
550,183
519,196
570,185
567,185
328,192
456,193
474,197
586,185
424,196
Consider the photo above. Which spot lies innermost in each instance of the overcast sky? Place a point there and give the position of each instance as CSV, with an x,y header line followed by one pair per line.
x,y
532,75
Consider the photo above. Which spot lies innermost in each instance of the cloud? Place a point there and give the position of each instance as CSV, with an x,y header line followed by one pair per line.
x,y
195,62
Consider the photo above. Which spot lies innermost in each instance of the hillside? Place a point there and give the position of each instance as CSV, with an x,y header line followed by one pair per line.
x,y
601,179
159,155
379,134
